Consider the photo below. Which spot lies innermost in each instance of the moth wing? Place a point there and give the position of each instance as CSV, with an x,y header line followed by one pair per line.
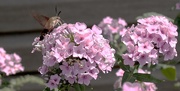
x,y
40,18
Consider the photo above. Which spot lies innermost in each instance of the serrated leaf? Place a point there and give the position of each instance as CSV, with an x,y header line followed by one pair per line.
x,y
169,72
146,78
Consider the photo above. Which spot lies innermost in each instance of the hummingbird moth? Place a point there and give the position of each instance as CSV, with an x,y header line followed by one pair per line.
x,y
49,23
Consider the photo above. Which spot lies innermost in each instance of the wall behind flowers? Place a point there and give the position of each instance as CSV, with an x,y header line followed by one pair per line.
x,y
18,28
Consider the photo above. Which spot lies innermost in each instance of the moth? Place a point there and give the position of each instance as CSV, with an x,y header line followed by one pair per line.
x,y
49,23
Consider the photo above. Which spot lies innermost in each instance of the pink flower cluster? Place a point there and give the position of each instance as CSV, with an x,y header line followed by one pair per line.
x,y
112,26
136,86
10,63
73,53
152,36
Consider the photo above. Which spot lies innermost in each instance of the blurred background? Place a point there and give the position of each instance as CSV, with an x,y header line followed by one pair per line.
x,y
18,29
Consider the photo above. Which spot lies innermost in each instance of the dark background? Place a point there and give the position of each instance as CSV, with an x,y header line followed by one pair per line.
x,y
18,28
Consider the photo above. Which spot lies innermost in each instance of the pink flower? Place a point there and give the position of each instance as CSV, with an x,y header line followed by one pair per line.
x,y
62,41
84,78
112,26
169,55
71,79
52,84
2,51
127,86
120,73
59,54
122,21
43,69
117,84
96,29
144,58
55,78
75,53
126,39
136,86
153,29
10,63
131,48
172,41
93,72
69,49
49,59
107,20
78,51
80,27
128,60
66,69
158,40
150,86
145,46
151,36
80,67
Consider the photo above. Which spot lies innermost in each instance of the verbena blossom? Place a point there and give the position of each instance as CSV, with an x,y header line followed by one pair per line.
x,y
10,63
150,38
73,53
112,26
136,86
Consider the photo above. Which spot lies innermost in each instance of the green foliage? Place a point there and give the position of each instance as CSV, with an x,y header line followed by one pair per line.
x,y
131,75
169,72
4,84
177,84
177,22
119,89
128,77
124,67
146,78
79,87
16,83
47,89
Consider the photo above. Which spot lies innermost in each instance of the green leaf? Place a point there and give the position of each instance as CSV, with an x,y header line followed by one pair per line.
x,y
169,72
116,37
177,84
4,84
127,77
82,87
77,87
119,89
177,22
47,89
145,78
118,57
124,67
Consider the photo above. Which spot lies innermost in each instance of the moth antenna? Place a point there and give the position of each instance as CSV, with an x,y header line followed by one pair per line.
x,y
59,13
56,9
